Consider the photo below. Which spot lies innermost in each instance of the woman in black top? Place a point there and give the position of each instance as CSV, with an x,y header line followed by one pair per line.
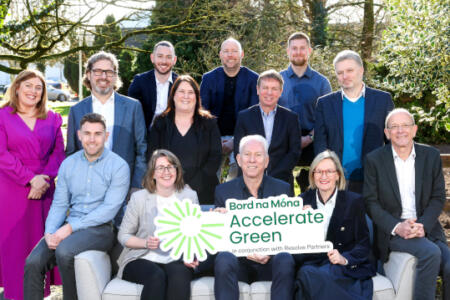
x,y
191,133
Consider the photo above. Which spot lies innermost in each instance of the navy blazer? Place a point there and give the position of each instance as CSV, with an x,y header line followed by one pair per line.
x,y
234,189
382,194
329,131
285,147
129,134
143,88
212,90
348,232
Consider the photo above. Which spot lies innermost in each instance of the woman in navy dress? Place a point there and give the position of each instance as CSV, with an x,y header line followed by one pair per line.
x,y
344,272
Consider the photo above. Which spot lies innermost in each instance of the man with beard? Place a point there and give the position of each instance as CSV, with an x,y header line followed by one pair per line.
x,y
92,184
125,122
302,86
152,88
350,121
227,90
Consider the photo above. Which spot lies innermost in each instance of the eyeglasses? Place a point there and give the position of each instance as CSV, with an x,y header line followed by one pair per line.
x,y
396,127
326,172
99,72
161,169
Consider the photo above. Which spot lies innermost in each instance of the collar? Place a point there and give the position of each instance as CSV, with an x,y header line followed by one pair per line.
x,y
362,94
308,72
273,112
331,201
412,155
96,100
244,188
101,157
169,79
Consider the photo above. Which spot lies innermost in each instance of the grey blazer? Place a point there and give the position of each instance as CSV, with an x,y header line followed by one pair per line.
x,y
138,222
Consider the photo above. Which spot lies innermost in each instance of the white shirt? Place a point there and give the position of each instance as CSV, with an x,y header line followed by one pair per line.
x,y
363,94
107,111
327,209
406,176
158,255
162,91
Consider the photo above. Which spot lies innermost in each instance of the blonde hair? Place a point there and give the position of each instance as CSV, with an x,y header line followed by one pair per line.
x,y
327,154
12,98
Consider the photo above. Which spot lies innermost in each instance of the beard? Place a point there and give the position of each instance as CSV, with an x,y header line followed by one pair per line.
x,y
158,70
299,62
102,91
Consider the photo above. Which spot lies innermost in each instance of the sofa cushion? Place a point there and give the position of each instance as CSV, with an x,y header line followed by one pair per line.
x,y
201,289
382,288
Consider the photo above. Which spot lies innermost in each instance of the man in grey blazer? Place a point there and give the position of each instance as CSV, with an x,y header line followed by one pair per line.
x,y
124,116
404,192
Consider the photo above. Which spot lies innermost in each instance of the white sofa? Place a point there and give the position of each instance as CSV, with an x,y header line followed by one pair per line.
x,y
93,279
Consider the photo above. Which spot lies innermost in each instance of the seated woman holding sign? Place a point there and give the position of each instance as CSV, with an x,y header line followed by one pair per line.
x,y
142,261
345,272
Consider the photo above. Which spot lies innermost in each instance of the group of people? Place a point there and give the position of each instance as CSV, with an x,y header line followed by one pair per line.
x,y
129,157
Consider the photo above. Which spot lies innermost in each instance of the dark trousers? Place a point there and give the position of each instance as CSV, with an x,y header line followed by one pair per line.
x,y
305,160
170,281
42,259
329,281
230,269
432,256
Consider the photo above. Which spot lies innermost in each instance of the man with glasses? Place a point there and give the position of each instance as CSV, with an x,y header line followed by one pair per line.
x,y
227,90
125,122
404,192
350,121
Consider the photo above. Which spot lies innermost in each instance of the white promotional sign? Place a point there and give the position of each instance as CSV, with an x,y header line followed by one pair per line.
x,y
263,226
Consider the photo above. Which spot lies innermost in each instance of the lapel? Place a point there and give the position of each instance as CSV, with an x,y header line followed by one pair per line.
x,y
337,107
276,125
337,216
153,93
257,120
419,166
369,108
388,162
220,87
239,91
86,108
119,113
150,203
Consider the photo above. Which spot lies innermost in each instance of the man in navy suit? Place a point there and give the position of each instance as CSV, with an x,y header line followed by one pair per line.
x,y
125,122
277,124
227,90
404,192
253,159
350,121
152,88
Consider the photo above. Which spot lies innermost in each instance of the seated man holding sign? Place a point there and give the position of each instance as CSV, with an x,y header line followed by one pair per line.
x,y
253,159
345,272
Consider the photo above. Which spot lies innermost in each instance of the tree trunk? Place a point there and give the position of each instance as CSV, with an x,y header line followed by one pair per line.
x,y
367,31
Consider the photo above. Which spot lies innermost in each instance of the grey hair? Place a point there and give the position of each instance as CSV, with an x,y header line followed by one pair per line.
x,y
97,57
347,54
231,39
164,44
272,74
337,163
397,111
254,138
